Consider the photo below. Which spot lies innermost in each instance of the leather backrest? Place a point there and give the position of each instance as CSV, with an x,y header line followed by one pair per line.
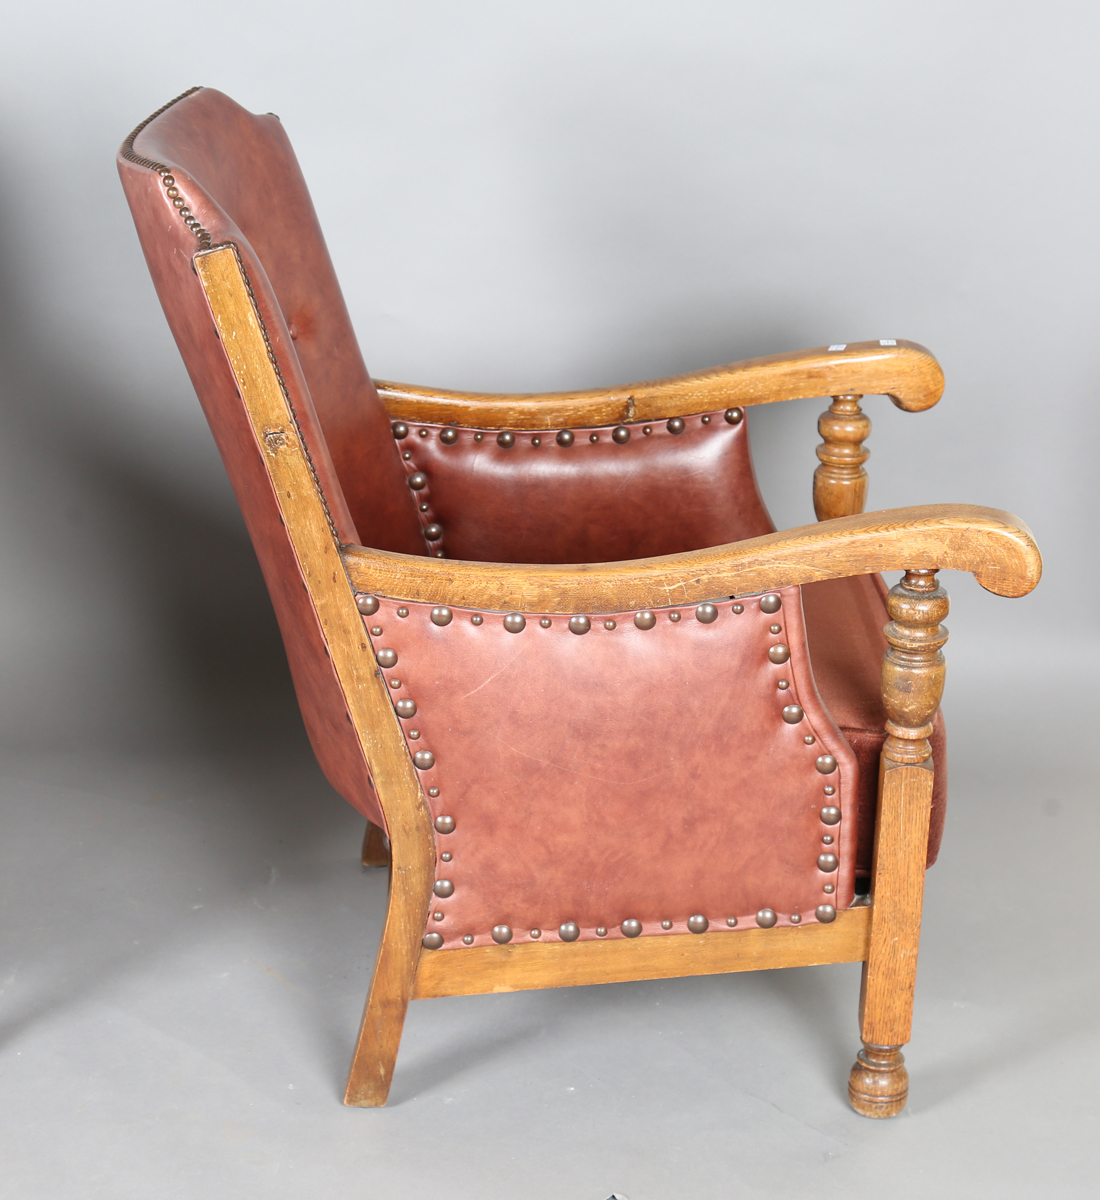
x,y
239,169
176,171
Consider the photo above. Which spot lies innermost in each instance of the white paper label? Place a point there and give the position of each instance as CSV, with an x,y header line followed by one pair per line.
x,y
887,341
840,346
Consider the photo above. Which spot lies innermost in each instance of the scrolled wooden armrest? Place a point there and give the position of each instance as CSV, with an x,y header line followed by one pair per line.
x,y
906,372
996,547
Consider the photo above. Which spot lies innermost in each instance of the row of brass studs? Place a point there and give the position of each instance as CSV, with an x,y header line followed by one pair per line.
x,y
565,437
827,862
569,931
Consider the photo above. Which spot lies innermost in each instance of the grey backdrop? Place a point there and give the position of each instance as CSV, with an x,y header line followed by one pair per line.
x,y
526,196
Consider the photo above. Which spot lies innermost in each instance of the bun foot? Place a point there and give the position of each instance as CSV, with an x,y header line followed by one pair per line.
x,y
879,1083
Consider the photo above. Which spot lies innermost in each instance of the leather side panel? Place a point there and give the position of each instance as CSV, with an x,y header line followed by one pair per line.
x,y
594,500
169,247
844,620
245,164
622,773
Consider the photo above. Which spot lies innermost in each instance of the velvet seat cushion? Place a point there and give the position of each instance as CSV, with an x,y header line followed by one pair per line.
x,y
844,620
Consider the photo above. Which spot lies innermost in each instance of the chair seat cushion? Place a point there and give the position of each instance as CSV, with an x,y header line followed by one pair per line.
x,y
844,620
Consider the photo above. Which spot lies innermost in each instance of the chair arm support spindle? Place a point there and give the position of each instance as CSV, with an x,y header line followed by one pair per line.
x,y
840,482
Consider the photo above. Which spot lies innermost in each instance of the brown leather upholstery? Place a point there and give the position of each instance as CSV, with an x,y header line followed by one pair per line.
x,y
207,133
689,733
590,501
623,773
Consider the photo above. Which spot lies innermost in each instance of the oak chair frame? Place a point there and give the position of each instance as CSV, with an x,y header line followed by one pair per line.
x,y
881,931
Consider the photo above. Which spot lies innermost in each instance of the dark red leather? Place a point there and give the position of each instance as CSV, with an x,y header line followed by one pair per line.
x,y
621,774
844,620
540,502
244,165
169,247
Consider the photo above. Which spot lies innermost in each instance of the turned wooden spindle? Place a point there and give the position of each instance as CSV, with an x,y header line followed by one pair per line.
x,y
912,684
840,482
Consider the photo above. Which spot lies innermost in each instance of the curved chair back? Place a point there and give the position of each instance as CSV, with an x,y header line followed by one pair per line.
x,y
201,172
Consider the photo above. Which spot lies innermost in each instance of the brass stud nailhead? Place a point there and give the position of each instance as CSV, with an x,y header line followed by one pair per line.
x,y
827,863
433,532
826,913
779,653
395,683
414,734
706,613
666,924
476,620
826,764
444,824
609,624
367,605
738,608
775,628
734,416
673,617
442,615
698,923
536,934
766,918
620,434
443,888
536,441
424,760
830,790
731,922
515,622
593,437
418,480
601,931
468,939
507,441
448,436
400,430
647,430
446,856
432,941
422,432
809,739
827,839
579,625
501,934
705,420
433,791
569,931
796,919
545,622
771,603
631,928
402,612
830,815
565,437
376,631
437,916
425,507
406,708
792,714
783,684
645,620
387,658
676,425
829,889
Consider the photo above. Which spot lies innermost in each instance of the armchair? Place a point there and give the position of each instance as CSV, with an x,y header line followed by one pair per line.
x,y
604,722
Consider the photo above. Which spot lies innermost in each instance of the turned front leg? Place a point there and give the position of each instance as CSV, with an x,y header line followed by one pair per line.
x,y
840,483
912,684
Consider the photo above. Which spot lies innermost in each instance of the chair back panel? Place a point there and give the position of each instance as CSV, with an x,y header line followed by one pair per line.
x,y
252,187
170,237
